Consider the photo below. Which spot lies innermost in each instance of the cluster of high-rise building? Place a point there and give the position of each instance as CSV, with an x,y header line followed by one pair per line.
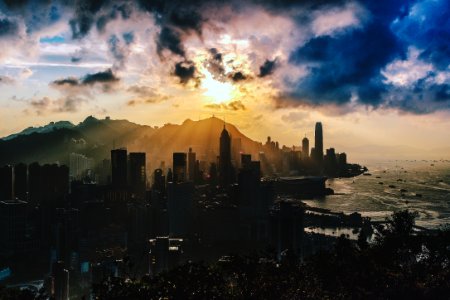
x,y
303,160
81,221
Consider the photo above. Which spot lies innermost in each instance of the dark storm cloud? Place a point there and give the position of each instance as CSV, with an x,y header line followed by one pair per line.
x,y
350,63
75,92
425,96
185,71
267,68
186,19
84,16
13,4
170,39
177,19
238,76
432,35
8,28
100,77
71,81
104,77
124,10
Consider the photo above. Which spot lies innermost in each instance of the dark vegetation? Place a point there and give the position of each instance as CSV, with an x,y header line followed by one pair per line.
x,y
400,264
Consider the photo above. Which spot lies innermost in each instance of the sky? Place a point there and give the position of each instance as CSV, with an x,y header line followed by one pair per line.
x,y
373,72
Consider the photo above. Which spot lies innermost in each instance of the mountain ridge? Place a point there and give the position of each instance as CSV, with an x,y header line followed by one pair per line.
x,y
96,137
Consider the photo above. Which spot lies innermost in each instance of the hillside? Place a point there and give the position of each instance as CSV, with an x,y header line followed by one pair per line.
x,y
95,138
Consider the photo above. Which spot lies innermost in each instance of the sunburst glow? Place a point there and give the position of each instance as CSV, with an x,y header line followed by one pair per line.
x,y
217,91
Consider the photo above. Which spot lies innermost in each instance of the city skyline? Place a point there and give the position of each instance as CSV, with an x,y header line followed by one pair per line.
x,y
159,64
224,149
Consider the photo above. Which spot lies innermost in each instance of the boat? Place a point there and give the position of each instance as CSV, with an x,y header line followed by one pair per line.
x,y
392,186
367,174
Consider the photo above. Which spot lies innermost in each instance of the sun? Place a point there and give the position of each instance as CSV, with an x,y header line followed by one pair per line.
x,y
216,91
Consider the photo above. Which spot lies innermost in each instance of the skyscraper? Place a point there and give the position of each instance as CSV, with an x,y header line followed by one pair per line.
x,y
225,167
179,167
78,165
305,147
6,183
236,149
60,281
21,181
318,146
138,177
119,167
191,164
13,225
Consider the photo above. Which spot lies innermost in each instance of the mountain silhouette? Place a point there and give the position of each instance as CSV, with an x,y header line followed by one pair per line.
x,y
96,137
47,128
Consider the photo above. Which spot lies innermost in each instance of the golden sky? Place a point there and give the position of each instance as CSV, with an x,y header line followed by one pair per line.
x,y
372,75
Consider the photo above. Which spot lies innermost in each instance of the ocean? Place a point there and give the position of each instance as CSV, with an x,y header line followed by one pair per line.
x,y
421,186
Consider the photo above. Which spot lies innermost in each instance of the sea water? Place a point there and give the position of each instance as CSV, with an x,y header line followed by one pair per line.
x,y
421,186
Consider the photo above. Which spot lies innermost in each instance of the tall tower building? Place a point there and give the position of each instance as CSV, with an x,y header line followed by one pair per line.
x,y
225,168
119,168
60,281
305,147
6,182
191,164
138,176
179,167
318,146
21,181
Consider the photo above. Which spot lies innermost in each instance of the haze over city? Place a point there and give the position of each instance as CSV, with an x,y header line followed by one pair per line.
x,y
375,74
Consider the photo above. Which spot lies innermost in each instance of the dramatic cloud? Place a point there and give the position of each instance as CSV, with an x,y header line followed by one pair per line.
x,y
8,28
71,81
185,71
100,77
339,54
238,76
84,16
105,77
124,10
267,68
75,92
170,39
